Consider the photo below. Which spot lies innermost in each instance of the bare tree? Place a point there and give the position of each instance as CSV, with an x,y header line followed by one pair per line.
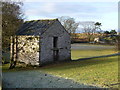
x,y
88,28
12,18
69,23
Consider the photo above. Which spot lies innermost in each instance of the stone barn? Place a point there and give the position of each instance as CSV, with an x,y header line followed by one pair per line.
x,y
39,42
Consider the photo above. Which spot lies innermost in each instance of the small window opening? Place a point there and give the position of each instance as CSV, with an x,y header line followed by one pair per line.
x,y
55,39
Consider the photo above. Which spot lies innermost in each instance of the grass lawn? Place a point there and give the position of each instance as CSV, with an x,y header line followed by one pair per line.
x,y
76,54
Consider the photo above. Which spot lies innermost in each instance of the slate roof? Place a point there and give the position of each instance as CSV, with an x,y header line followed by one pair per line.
x,y
35,27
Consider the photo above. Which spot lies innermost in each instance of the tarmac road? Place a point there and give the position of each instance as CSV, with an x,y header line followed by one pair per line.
x,y
38,79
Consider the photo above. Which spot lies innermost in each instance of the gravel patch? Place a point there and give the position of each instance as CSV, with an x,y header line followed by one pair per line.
x,y
38,79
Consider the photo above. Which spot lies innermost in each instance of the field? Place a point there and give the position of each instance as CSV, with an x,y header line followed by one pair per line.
x,y
101,72
87,50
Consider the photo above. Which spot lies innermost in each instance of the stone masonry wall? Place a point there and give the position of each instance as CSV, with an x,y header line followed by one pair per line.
x,y
64,44
28,50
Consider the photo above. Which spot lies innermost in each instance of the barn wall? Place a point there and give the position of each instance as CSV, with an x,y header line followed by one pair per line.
x,y
28,50
65,47
46,52
64,44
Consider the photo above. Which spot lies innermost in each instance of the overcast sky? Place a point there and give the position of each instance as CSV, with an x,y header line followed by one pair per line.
x,y
104,12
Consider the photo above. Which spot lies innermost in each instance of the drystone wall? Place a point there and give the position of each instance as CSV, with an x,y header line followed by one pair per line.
x,y
28,50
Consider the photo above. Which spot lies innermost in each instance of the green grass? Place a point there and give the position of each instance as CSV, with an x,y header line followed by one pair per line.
x,y
101,72
76,54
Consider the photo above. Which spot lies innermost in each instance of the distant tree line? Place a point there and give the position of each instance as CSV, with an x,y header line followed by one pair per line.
x,y
110,32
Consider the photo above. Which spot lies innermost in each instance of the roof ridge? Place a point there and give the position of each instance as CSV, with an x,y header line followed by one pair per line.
x,y
42,20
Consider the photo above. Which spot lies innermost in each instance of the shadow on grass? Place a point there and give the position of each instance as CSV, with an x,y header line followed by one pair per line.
x,y
83,62
116,54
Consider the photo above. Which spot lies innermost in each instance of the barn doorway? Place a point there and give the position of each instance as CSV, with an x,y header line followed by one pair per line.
x,y
55,55
55,49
